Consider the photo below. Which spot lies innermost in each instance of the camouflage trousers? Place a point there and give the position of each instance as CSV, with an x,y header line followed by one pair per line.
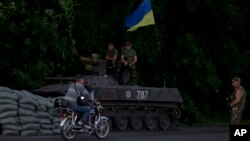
x,y
130,79
236,116
133,76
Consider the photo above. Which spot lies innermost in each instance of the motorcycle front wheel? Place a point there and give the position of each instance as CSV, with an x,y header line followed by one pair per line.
x,y
66,131
102,129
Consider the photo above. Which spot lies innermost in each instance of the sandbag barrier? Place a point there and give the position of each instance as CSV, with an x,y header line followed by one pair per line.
x,y
23,113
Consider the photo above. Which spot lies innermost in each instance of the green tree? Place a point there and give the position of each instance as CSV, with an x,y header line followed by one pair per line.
x,y
196,46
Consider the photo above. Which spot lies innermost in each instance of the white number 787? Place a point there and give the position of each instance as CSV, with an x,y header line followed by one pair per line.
x,y
142,95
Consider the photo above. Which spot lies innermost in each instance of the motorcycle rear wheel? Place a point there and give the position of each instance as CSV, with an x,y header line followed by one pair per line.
x,y
66,131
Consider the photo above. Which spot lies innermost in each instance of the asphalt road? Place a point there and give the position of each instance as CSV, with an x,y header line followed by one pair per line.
x,y
177,134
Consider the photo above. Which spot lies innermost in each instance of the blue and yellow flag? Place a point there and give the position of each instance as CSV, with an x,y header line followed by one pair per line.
x,y
142,16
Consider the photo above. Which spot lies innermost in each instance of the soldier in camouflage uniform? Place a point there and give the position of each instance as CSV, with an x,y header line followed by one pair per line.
x,y
129,59
111,57
237,105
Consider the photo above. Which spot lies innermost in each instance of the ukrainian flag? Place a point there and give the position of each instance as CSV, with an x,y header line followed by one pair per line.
x,y
142,16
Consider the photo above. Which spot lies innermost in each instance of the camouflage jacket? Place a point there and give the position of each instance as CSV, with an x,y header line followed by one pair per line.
x,y
129,55
112,53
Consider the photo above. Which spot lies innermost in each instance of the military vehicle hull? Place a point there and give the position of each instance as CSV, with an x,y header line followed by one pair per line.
x,y
140,108
129,107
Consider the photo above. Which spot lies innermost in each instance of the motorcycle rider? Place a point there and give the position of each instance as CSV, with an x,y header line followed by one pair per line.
x,y
75,90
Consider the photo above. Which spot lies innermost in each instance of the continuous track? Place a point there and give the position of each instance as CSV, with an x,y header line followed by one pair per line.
x,y
140,116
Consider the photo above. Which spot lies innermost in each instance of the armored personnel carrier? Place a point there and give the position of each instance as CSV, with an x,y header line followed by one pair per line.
x,y
129,107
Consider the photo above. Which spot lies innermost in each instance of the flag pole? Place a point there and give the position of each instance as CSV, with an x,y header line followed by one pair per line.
x,y
162,67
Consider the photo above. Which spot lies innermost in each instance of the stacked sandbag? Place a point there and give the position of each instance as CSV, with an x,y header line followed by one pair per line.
x,y
55,121
23,113
28,118
45,118
8,112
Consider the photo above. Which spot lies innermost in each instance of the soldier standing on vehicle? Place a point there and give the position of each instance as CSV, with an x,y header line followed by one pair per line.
x,y
129,59
237,104
111,63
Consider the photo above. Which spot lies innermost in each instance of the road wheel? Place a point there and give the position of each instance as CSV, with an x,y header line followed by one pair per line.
x,y
173,123
164,122
121,122
150,122
136,122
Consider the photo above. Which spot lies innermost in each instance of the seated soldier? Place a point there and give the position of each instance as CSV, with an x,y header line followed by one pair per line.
x,y
111,57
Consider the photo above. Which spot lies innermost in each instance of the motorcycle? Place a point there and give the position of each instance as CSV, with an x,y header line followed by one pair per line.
x,y
99,125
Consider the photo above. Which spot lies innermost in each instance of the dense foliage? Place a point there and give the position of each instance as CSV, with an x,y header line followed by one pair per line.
x,y
196,45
